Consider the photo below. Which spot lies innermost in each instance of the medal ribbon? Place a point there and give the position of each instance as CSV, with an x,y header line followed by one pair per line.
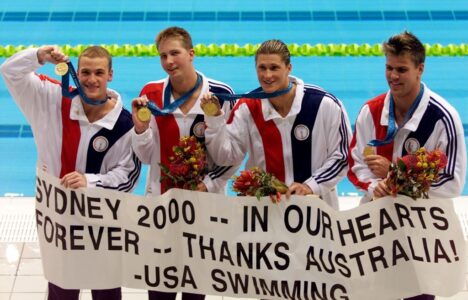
x,y
258,93
392,130
168,106
79,89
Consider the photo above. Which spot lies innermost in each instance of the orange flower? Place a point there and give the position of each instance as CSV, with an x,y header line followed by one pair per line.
x,y
413,174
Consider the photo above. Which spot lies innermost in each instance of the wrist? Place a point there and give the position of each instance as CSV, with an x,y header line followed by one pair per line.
x,y
140,129
40,56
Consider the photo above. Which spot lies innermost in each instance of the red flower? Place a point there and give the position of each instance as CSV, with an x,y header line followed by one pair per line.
x,y
246,183
179,169
256,182
410,161
413,174
187,164
438,157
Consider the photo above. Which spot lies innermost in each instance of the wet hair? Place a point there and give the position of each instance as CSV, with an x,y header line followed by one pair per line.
x,y
274,47
175,32
94,52
405,42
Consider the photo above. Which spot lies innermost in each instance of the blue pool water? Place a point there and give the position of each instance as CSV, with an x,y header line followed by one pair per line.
x,y
352,79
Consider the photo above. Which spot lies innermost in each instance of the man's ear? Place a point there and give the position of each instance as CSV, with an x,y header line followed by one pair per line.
x,y
192,54
421,69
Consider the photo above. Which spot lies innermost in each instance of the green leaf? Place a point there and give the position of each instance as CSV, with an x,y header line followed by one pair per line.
x,y
401,165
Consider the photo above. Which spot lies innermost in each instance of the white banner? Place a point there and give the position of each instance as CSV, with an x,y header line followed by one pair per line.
x,y
239,246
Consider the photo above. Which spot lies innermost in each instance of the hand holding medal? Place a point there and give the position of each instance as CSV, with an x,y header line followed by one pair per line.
x,y
210,105
54,55
141,114
368,150
144,114
377,164
140,105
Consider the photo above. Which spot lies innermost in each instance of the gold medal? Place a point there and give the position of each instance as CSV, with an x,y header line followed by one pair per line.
x,y
144,114
210,109
61,69
368,150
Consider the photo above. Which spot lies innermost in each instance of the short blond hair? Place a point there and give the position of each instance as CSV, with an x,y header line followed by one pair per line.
x,y
96,51
175,33
275,47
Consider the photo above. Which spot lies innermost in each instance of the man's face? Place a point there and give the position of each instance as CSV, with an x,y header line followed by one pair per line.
x,y
94,74
403,76
272,72
175,59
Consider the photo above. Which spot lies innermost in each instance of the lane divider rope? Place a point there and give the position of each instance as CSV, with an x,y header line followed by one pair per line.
x,y
235,50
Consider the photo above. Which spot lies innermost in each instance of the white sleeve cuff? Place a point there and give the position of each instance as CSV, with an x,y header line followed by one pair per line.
x,y
215,121
92,179
313,186
209,184
143,137
371,187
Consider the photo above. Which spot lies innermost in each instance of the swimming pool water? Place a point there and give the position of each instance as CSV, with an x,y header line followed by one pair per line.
x,y
352,80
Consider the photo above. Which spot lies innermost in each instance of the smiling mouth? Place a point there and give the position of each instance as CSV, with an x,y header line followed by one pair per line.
x,y
93,88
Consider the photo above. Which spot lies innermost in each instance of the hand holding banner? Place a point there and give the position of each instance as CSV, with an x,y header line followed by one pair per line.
x,y
239,246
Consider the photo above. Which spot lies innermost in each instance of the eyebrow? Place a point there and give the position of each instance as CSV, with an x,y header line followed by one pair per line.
x,y
89,69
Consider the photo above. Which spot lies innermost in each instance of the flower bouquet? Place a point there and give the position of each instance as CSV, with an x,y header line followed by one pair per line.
x,y
258,183
186,167
413,174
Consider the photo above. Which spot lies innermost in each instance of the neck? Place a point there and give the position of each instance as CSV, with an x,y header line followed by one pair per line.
x,y
181,87
283,103
97,112
403,103
184,84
